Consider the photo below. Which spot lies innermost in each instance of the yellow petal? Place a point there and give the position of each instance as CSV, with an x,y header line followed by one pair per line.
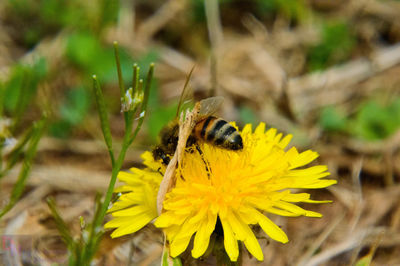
x,y
247,129
182,238
179,245
271,229
285,141
260,129
230,242
303,159
202,237
270,134
299,197
132,211
282,212
318,184
168,218
128,225
296,209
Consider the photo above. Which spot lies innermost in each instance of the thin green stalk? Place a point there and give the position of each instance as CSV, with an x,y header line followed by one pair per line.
x,y
61,225
20,108
66,235
95,232
19,186
120,79
215,35
2,93
89,249
105,125
114,174
17,151
2,172
135,78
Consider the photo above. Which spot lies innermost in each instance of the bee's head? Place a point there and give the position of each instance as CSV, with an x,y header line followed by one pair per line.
x,y
159,153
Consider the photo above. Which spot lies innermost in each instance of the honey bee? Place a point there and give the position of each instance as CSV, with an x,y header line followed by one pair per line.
x,y
208,128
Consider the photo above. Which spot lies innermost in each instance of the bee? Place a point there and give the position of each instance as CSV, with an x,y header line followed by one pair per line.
x,y
208,128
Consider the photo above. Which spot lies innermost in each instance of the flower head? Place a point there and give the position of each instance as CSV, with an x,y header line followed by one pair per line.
x,y
236,187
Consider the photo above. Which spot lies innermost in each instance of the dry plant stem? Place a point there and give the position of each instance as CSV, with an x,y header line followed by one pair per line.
x,y
185,129
215,34
362,237
66,177
153,256
304,260
359,200
156,22
351,242
347,74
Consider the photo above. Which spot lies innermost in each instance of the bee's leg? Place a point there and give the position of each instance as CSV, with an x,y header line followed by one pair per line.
x,y
208,169
159,171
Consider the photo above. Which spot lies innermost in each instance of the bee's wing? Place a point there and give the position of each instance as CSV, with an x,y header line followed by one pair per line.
x,y
186,99
210,105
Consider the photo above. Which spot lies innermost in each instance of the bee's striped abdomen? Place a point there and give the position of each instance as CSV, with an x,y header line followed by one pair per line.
x,y
219,132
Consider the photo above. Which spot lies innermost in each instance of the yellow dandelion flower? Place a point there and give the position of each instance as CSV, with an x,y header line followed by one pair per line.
x,y
236,187
136,206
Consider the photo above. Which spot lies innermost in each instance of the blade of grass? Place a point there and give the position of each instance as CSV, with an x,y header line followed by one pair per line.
x,y
17,151
61,225
19,186
22,101
73,245
89,248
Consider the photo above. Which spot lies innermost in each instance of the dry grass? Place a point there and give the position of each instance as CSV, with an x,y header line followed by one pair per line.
x,y
259,67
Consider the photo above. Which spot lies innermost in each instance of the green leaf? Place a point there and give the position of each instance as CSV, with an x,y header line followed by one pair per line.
x,y
60,129
337,43
371,122
364,261
76,106
83,48
375,120
21,87
331,119
87,53
72,112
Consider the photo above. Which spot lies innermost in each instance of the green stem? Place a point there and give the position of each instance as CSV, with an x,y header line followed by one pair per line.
x,y
118,62
98,219
19,186
115,170
104,121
